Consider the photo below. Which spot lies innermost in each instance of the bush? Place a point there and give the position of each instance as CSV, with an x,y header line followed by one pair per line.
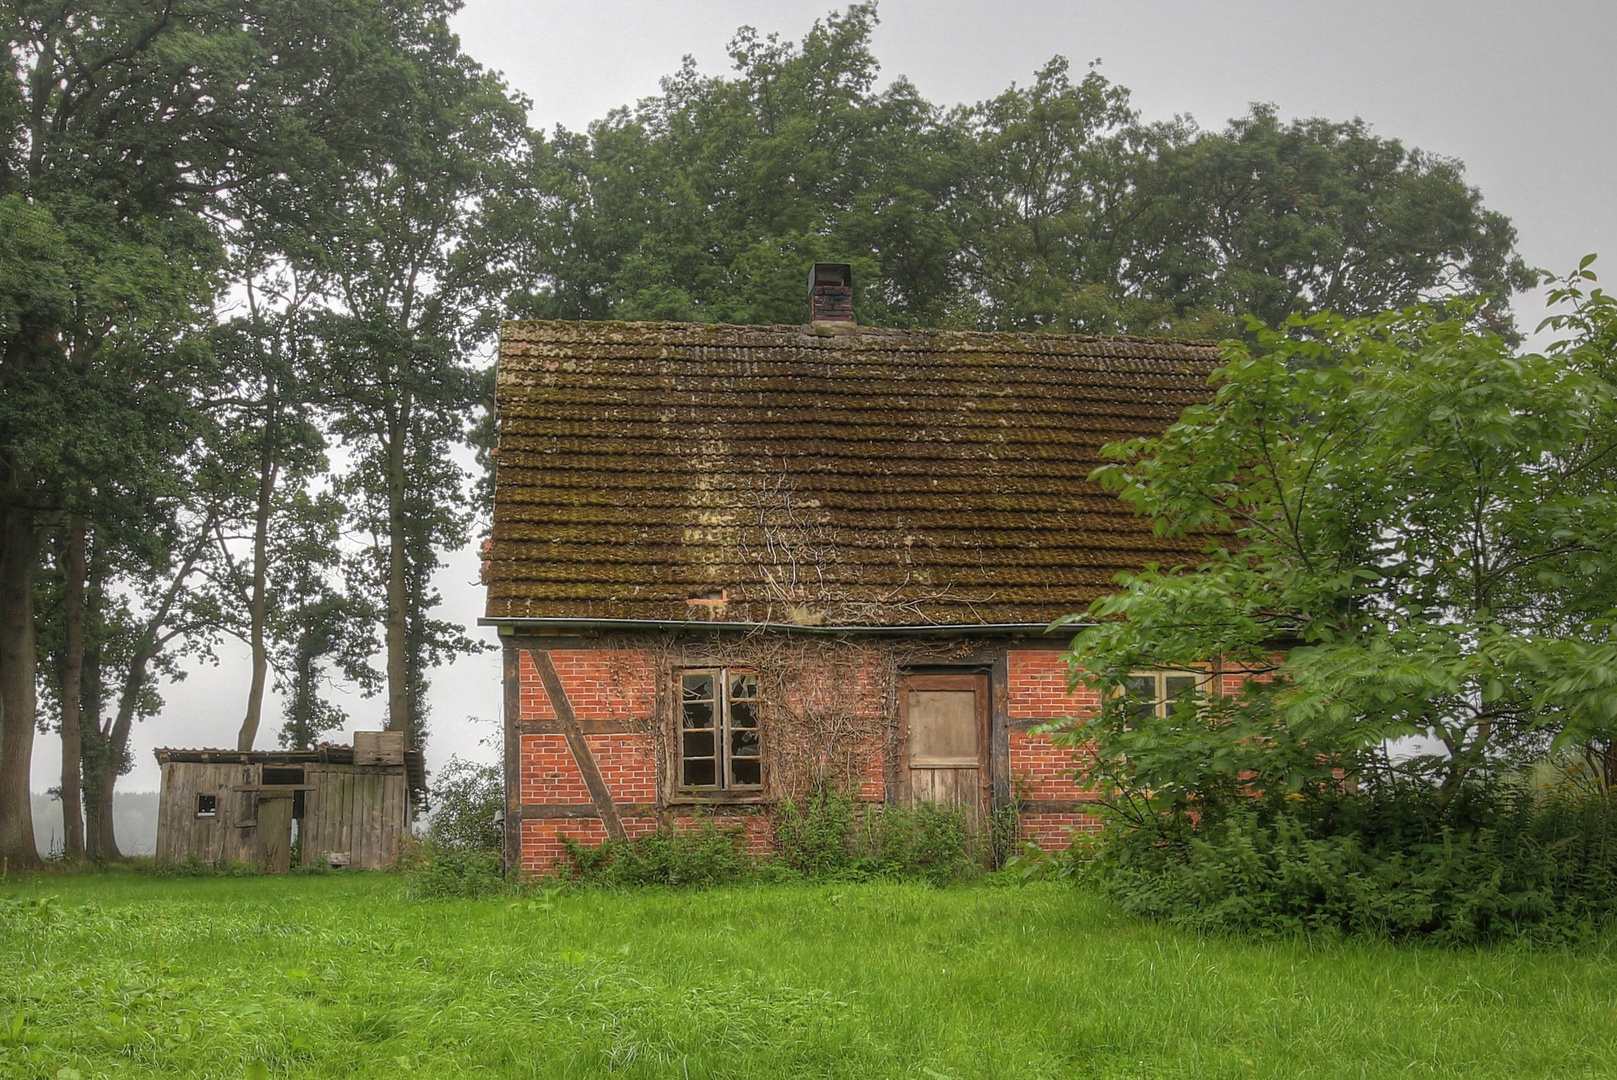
x,y
1497,862
467,797
437,873
704,854
831,835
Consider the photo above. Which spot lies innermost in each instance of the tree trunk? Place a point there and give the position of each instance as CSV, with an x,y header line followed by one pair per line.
x,y
18,658
72,689
398,675
114,752
258,603
99,768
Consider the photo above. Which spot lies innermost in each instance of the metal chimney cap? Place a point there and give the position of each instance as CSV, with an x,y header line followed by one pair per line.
x,y
831,274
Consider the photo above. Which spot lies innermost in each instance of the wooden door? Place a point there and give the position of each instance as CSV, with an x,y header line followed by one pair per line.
x,y
274,833
945,738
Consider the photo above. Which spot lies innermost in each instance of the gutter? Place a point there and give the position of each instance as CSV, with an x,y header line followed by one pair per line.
x,y
534,625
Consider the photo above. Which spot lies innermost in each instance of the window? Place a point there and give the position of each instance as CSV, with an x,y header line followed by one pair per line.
x,y
207,806
718,730
1154,693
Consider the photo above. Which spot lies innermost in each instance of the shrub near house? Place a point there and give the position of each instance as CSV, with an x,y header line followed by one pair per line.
x,y
1426,519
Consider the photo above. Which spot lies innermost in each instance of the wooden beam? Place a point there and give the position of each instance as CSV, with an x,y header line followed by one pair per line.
x,y
582,754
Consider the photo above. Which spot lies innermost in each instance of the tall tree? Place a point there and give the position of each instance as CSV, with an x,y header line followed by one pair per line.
x,y
396,342
1422,518
709,201
107,267
319,624
1271,218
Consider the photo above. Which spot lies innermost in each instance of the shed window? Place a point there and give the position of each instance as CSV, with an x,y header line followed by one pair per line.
x,y
1154,693
719,747
207,806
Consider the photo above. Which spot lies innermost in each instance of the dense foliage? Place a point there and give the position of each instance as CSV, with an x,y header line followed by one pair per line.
x,y
1412,539
1051,206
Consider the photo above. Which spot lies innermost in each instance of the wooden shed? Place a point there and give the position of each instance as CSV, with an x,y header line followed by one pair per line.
x,y
338,805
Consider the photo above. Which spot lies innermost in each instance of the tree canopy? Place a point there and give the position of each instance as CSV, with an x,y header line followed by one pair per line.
x,y
1411,531
1052,206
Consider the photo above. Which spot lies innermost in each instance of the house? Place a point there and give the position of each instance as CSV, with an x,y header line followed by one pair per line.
x,y
732,562
337,805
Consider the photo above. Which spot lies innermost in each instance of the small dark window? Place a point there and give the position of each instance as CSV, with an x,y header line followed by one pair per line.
x,y
282,776
718,730
207,806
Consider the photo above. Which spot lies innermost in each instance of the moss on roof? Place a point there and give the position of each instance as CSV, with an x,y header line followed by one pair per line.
x,y
874,477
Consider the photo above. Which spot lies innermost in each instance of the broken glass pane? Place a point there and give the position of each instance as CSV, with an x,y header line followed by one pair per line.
x,y
743,686
698,714
700,773
746,771
697,687
744,743
743,714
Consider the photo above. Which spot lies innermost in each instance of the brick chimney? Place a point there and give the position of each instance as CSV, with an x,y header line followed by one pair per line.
x,y
831,293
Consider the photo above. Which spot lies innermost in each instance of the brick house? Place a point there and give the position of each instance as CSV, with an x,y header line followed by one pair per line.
x,y
731,562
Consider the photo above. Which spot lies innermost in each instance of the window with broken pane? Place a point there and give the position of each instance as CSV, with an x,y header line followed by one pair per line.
x,y
1155,693
719,741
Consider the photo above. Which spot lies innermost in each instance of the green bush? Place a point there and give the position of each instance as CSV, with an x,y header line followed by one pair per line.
x,y
194,866
703,854
831,835
1495,862
436,873
828,835
466,797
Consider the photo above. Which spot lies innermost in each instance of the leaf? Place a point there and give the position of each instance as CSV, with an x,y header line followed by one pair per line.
x,y
258,1070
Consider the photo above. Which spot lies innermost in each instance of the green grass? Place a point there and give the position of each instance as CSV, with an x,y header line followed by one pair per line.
x,y
342,976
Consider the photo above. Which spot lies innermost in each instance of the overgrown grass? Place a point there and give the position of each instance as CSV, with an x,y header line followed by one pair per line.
x,y
342,975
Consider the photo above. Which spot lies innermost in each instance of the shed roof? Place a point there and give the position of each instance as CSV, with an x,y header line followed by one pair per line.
x,y
795,474
415,769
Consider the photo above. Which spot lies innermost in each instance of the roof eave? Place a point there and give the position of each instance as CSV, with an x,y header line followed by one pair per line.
x,y
557,625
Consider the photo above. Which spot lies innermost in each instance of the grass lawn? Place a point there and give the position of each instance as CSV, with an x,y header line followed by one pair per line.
x,y
343,976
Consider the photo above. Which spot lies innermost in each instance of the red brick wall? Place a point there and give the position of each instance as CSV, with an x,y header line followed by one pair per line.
x,y
1041,772
619,686
549,773
1037,681
1054,832
601,684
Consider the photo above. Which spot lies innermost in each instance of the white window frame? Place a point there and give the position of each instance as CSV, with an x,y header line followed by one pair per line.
x,y
1161,700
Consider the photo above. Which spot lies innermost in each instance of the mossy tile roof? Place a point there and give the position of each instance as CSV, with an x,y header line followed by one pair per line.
x,y
871,477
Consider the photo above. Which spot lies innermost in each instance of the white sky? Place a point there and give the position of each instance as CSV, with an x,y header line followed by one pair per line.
x,y
1521,92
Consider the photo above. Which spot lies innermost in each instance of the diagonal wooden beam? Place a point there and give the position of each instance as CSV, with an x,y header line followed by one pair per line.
x,y
582,754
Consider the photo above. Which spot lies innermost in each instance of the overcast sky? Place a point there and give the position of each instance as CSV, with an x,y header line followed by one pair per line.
x,y
1520,92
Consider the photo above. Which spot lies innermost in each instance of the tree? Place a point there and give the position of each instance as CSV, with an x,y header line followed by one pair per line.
x,y
709,201
395,344
1049,207
1272,219
1411,529
273,441
316,624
